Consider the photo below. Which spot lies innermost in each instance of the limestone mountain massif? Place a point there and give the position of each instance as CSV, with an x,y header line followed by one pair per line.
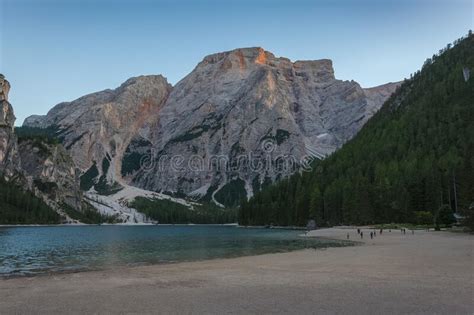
x,y
247,101
198,139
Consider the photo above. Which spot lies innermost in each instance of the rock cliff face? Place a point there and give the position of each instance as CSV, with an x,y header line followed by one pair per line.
x,y
46,169
9,162
50,172
240,119
97,128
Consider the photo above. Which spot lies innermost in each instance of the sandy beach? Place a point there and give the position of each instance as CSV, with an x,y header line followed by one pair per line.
x,y
424,273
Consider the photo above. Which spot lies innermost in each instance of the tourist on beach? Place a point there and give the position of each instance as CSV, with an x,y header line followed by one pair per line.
x,y
361,234
371,235
358,231
381,230
347,235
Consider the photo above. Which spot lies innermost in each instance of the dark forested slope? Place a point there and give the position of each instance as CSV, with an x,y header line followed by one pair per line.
x,y
416,154
18,206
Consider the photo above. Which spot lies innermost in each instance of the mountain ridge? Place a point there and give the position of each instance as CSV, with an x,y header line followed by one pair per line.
x,y
227,105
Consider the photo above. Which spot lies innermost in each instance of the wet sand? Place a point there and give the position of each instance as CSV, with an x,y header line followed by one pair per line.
x,y
428,272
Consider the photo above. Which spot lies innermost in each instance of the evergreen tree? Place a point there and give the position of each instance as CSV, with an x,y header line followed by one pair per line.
x,y
415,154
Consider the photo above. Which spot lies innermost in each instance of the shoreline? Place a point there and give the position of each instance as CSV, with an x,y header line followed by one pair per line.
x,y
428,272
164,263
106,268
115,224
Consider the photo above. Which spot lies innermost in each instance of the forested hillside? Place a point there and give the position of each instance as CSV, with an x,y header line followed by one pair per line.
x,y
416,154
21,207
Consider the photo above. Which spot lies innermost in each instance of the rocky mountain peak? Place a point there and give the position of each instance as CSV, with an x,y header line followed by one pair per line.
x,y
143,84
7,118
4,88
241,56
322,68
241,62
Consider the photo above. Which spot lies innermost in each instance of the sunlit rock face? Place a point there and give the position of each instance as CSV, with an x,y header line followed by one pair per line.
x,y
241,103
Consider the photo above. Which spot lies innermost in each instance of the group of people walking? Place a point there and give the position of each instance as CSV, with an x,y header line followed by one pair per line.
x,y
374,233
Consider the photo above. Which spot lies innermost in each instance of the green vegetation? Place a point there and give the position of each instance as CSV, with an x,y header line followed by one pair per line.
x,y
281,136
232,193
257,186
89,177
89,180
212,122
43,144
195,133
168,212
416,154
468,214
20,207
103,187
444,216
131,162
423,217
207,198
136,151
409,226
88,215
46,135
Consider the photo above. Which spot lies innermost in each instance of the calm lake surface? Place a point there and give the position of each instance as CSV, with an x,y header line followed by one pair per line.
x,y
38,250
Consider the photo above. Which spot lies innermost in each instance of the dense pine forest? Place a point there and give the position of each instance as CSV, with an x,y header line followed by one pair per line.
x,y
20,207
168,212
413,159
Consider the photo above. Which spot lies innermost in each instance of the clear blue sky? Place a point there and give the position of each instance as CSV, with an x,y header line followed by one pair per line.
x,y
54,51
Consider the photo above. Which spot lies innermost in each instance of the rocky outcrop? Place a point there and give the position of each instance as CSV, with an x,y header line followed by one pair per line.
x,y
97,128
9,162
240,119
36,165
50,171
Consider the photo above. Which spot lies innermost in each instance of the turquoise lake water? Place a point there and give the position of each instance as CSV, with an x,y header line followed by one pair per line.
x,y
39,250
